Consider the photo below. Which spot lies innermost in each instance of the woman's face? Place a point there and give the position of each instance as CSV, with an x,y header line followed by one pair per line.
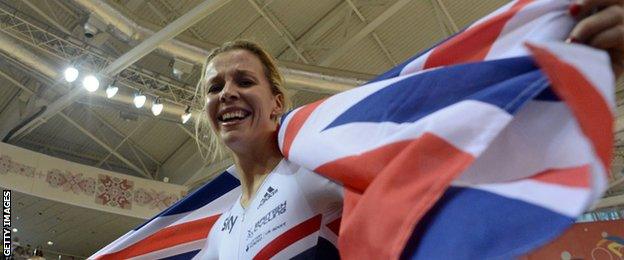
x,y
240,103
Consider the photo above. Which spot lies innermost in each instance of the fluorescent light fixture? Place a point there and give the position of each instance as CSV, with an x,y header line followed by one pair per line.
x,y
187,115
111,91
139,100
71,74
90,83
157,107
177,73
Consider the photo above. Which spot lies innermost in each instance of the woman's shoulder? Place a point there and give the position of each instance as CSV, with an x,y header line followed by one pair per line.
x,y
287,167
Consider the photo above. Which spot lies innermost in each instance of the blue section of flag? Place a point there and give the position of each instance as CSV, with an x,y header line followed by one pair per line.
x,y
547,95
474,224
183,256
218,187
206,194
506,83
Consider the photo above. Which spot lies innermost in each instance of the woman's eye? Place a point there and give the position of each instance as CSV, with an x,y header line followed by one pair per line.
x,y
215,88
246,83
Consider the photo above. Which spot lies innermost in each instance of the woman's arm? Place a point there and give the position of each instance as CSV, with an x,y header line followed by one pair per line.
x,y
602,29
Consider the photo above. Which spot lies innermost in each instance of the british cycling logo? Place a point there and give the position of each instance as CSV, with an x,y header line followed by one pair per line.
x,y
271,215
267,195
228,224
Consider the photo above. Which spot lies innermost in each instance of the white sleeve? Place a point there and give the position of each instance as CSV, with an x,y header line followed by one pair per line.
x,y
322,194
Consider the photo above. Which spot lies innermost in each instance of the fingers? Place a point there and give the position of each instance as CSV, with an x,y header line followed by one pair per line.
x,y
603,29
586,29
609,39
617,58
582,8
612,40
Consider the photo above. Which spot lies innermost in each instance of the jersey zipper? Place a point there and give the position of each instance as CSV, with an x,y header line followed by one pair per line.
x,y
240,235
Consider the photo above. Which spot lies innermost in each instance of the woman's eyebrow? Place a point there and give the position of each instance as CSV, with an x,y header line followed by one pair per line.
x,y
248,73
216,77
236,73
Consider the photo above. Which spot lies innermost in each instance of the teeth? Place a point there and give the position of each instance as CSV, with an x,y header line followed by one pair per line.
x,y
235,114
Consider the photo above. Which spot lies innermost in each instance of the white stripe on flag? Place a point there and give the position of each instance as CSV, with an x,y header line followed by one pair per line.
x,y
592,63
543,135
215,207
534,23
365,136
565,200
172,251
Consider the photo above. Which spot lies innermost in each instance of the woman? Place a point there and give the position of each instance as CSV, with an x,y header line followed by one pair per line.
x,y
244,101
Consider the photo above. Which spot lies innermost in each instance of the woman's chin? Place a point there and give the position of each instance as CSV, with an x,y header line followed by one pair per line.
x,y
234,140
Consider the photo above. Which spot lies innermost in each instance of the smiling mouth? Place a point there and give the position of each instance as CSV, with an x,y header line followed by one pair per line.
x,y
233,117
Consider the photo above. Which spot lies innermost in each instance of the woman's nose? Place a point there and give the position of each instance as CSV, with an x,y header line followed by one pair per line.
x,y
229,93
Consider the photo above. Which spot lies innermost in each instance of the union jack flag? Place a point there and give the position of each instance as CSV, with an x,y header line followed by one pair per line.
x,y
488,145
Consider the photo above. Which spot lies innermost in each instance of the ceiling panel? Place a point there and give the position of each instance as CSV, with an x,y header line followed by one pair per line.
x,y
335,37
228,22
411,30
365,57
8,93
465,13
160,138
261,32
372,9
57,132
289,13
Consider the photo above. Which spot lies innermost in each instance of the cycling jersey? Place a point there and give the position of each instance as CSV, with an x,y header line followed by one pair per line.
x,y
294,214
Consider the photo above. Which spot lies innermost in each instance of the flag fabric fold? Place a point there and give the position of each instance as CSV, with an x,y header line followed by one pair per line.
x,y
486,146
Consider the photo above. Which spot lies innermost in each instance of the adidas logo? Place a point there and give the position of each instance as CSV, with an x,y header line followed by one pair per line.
x,y
267,195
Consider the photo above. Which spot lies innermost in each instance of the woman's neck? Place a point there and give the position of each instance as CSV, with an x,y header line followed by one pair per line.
x,y
254,165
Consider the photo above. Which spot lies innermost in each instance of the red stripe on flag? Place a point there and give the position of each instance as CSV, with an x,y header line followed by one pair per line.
x,y
364,166
296,122
572,177
167,237
474,43
409,177
291,236
334,226
586,103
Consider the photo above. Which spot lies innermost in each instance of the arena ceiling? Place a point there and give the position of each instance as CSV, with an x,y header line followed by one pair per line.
x,y
341,40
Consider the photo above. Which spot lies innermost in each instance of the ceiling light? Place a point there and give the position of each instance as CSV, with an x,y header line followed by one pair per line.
x,y
111,90
14,230
71,74
139,99
50,243
90,83
157,107
187,115
177,73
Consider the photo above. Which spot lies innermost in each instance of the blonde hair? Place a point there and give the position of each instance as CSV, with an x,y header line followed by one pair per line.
x,y
203,126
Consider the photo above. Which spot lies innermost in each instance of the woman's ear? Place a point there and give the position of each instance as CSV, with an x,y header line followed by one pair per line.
x,y
278,109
